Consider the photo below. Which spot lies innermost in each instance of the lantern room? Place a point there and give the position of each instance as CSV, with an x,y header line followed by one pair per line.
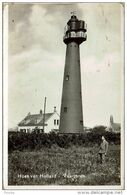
x,y
75,30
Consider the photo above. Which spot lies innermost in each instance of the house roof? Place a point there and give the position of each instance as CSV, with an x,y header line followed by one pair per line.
x,y
35,119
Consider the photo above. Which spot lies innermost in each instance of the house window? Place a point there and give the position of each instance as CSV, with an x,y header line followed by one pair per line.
x,y
41,131
67,77
28,130
38,130
65,109
23,130
57,122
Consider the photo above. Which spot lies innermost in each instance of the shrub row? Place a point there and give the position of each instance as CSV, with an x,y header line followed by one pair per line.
x,y
21,141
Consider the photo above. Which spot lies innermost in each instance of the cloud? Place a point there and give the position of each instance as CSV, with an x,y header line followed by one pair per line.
x,y
104,31
18,13
30,24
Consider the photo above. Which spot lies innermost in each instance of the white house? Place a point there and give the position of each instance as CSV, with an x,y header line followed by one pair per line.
x,y
34,122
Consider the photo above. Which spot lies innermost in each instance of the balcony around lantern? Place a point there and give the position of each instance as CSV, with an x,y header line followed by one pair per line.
x,y
78,36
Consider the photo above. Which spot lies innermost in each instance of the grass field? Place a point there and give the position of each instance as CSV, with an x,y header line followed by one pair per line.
x,y
76,165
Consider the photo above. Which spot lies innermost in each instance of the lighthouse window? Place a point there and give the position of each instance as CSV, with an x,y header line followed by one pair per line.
x,y
57,122
65,109
67,77
81,122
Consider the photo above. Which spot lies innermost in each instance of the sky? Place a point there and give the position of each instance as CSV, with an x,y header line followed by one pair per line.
x,y
36,59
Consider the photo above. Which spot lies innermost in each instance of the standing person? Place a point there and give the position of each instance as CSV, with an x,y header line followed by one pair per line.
x,y
103,150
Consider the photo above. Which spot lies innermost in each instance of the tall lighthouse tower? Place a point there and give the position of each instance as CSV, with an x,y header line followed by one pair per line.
x,y
71,116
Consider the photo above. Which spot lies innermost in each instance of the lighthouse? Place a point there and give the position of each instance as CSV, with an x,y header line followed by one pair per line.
x,y
71,114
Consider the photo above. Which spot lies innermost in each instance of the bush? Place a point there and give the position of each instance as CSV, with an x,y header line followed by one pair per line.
x,y
33,141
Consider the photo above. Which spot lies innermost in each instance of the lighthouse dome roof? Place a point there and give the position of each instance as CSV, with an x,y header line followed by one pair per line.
x,y
73,19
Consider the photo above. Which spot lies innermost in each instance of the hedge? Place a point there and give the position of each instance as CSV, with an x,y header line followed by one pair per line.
x,y
33,141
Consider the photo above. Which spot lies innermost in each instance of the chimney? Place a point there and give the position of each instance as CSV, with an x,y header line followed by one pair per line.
x,y
41,112
54,108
